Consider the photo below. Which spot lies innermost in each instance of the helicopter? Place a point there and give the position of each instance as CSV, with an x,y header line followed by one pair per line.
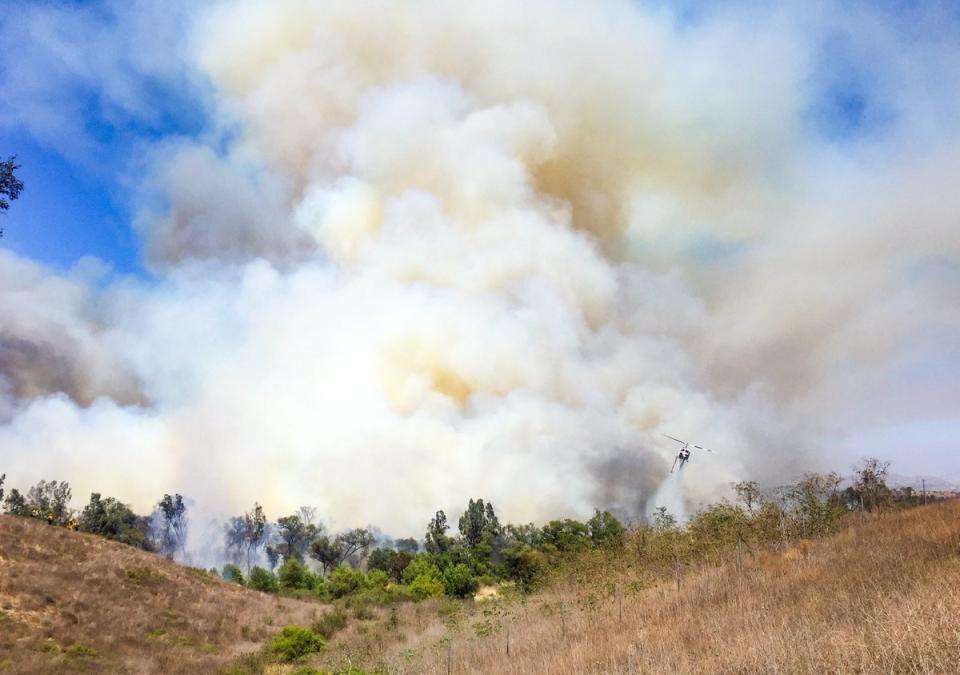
x,y
684,455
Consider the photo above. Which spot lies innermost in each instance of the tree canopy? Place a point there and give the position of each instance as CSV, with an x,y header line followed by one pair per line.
x,y
10,185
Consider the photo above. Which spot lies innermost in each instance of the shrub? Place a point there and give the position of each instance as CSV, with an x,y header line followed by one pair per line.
x,y
526,566
458,581
605,529
294,642
344,581
328,624
421,565
262,580
425,586
143,576
293,574
376,579
80,652
233,573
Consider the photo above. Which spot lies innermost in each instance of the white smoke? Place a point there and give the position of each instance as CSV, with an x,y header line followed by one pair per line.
x,y
443,250
669,496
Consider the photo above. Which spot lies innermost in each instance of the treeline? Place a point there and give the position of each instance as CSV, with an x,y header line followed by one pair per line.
x,y
817,505
163,531
302,559
295,554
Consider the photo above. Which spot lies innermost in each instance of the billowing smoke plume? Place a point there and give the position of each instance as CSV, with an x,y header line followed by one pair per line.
x,y
441,250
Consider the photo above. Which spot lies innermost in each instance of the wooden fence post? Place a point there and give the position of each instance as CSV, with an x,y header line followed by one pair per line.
x,y
739,558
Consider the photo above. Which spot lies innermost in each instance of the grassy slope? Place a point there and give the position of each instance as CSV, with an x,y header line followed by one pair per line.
x,y
881,598
138,612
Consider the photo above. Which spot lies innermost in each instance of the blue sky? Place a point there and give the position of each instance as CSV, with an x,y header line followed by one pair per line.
x,y
81,186
81,109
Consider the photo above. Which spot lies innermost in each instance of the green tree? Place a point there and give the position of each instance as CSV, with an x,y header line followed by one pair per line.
x,y
170,523
566,535
478,523
663,520
354,543
870,483
2,479
817,504
381,559
15,504
409,545
528,534
436,540
273,556
327,552
114,520
52,497
605,530
254,531
297,532
749,493
235,537
10,185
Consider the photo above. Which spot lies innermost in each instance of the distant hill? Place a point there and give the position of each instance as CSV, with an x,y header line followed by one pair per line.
x,y
933,483
77,602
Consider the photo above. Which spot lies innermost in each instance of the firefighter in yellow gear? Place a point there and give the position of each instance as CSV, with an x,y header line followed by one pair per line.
x,y
49,517
35,512
72,524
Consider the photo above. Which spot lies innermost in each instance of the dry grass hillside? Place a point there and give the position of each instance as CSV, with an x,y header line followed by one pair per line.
x,y
72,602
881,597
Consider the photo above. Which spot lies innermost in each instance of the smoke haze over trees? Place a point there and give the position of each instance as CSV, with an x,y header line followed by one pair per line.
x,y
422,251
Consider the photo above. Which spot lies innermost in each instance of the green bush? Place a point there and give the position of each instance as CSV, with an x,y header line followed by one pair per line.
x,y
426,587
458,581
293,574
80,652
328,624
344,581
526,566
143,576
420,566
262,580
294,642
376,579
233,573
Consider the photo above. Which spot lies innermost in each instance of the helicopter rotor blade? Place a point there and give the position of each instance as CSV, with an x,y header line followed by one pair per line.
x,y
675,439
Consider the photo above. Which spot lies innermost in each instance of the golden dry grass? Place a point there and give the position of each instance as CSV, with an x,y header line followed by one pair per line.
x,y
881,598
63,594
